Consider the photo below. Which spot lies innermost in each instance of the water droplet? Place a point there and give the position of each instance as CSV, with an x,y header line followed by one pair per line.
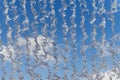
x,y
92,20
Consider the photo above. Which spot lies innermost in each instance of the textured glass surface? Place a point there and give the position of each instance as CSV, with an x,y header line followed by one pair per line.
x,y
59,39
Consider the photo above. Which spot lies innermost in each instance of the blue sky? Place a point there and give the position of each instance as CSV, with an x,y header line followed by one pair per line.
x,y
89,53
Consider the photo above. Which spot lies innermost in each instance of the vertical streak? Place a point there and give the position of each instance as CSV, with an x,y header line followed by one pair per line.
x,y
16,65
64,26
9,34
73,27
35,31
25,22
43,19
53,36
53,27
85,36
2,56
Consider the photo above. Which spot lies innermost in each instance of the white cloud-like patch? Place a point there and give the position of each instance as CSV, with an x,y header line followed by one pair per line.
x,y
106,49
111,74
4,53
45,45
